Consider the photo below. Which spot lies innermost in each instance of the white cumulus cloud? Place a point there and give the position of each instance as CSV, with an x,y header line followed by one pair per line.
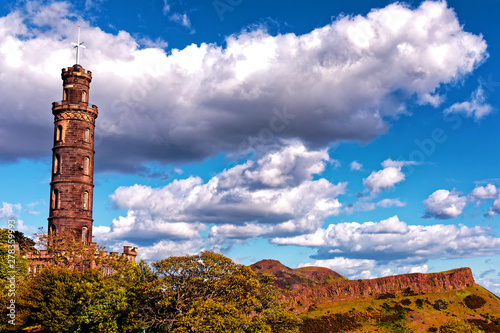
x,y
386,203
392,240
274,195
443,204
356,166
484,192
386,178
476,107
9,211
337,82
351,268
495,207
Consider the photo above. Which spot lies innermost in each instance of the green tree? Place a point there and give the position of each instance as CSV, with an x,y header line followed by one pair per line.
x,y
13,270
210,293
60,299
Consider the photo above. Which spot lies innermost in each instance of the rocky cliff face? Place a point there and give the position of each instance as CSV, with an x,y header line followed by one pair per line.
x,y
310,285
416,283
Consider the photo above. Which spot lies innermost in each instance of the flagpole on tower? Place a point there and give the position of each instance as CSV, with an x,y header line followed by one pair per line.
x,y
77,46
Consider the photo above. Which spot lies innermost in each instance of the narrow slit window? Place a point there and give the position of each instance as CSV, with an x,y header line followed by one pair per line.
x,y
53,230
57,164
84,96
84,234
85,200
55,199
87,135
86,165
65,94
59,131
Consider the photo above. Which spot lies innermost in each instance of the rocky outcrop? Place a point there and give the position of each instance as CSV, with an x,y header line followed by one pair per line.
x,y
411,283
317,285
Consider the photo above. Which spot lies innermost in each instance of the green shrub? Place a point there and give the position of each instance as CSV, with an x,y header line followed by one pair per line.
x,y
406,301
474,301
458,326
440,305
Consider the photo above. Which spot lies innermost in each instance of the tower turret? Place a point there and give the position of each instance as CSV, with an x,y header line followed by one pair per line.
x,y
71,188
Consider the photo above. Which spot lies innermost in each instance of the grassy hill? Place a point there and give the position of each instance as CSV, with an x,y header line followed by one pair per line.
x,y
435,302
467,309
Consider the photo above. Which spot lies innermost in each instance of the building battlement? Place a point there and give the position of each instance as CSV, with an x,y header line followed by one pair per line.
x,y
76,70
70,105
99,260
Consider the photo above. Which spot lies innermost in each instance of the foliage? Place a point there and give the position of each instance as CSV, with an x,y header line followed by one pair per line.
x,y
337,322
420,303
474,301
25,244
69,251
440,304
10,261
488,327
210,293
13,269
200,293
458,326
60,299
409,292
405,301
386,296
206,293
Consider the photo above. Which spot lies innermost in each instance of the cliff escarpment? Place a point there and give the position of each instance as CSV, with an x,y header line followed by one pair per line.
x,y
314,285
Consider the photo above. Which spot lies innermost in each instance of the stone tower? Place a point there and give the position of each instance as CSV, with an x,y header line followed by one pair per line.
x,y
71,188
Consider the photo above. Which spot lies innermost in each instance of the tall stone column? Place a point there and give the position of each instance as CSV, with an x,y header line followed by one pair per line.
x,y
71,188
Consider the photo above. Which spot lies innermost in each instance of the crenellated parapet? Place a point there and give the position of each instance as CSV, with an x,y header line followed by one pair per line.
x,y
102,260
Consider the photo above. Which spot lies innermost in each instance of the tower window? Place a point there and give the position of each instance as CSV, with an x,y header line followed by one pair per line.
x,y
65,94
87,134
57,164
84,96
86,165
85,200
55,199
53,230
59,133
84,234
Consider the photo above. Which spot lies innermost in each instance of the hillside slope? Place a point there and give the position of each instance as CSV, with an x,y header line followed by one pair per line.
x,y
416,302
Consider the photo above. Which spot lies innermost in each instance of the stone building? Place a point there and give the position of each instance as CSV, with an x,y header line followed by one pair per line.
x,y
72,186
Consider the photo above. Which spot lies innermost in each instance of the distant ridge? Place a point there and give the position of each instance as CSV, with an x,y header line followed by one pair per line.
x,y
309,285
298,278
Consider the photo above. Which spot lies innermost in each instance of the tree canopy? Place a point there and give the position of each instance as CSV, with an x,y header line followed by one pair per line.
x,y
199,293
210,293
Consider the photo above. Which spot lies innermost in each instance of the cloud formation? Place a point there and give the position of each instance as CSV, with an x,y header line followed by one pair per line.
x,y
386,178
476,107
343,81
274,195
364,268
392,240
383,179
484,192
443,204
9,211
495,207
356,166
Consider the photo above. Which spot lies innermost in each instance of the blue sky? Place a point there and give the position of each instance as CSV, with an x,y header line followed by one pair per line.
x,y
357,135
